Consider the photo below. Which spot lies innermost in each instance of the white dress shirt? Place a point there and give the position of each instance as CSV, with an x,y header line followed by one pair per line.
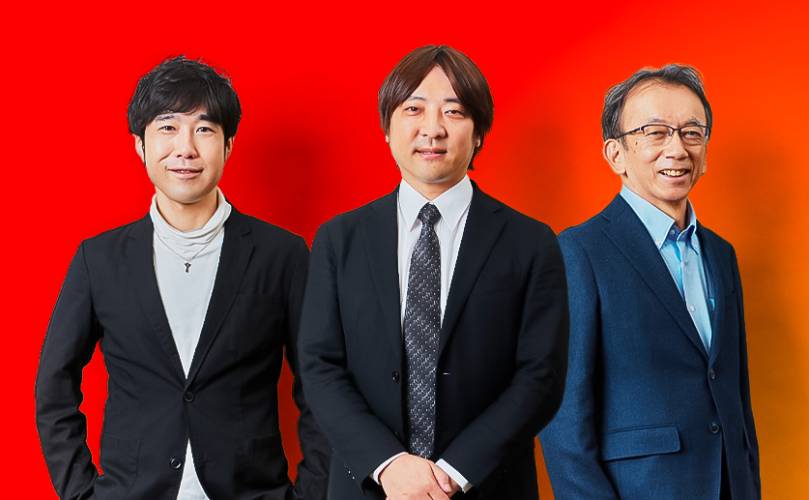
x,y
453,205
185,294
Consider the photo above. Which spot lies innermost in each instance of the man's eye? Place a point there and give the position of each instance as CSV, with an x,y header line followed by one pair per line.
x,y
166,128
204,129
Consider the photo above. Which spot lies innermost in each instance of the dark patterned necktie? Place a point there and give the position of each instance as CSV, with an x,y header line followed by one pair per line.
x,y
422,322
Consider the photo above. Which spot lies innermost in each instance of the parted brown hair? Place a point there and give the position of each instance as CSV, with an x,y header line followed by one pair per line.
x,y
465,77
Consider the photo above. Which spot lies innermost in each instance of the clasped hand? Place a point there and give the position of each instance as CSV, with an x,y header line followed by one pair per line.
x,y
412,477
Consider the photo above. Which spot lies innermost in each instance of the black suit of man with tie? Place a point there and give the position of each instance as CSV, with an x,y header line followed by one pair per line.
x,y
434,335
193,306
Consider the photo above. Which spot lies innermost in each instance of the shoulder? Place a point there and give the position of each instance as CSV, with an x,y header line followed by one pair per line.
x,y
265,231
525,226
114,238
381,211
721,245
269,240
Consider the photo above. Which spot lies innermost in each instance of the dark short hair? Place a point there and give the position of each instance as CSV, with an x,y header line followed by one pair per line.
x,y
465,77
180,85
672,74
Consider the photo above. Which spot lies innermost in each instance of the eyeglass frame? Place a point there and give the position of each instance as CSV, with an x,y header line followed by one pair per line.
x,y
672,130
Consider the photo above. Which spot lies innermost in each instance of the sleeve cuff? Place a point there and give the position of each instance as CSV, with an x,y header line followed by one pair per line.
x,y
378,470
455,475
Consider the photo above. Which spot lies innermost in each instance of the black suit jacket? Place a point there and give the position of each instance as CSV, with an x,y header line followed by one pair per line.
x,y
502,358
227,406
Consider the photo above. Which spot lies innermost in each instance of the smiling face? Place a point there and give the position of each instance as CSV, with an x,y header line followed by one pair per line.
x,y
185,155
663,175
432,137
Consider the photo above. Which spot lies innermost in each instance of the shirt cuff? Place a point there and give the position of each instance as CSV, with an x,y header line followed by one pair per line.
x,y
455,475
378,470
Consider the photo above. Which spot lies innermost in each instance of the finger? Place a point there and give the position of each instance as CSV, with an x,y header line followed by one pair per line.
x,y
436,493
442,478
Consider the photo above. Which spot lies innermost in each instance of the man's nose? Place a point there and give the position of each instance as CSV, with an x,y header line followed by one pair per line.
x,y
675,148
184,145
433,125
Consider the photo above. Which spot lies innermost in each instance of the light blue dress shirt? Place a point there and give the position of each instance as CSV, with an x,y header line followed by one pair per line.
x,y
681,253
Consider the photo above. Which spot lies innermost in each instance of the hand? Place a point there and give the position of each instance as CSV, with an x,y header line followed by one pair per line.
x,y
446,483
411,477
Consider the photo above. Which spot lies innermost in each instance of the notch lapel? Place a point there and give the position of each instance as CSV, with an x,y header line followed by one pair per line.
x,y
630,236
139,262
483,227
237,248
381,245
719,283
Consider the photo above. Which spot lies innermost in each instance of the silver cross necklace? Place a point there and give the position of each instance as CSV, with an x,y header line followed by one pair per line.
x,y
187,262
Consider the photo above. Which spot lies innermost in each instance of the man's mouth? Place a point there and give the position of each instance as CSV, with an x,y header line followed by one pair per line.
x,y
431,153
185,172
675,172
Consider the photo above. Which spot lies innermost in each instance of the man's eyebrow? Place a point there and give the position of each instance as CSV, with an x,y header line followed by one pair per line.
x,y
690,121
448,99
206,118
695,121
164,117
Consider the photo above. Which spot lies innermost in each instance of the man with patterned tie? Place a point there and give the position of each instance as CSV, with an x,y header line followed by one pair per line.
x,y
657,401
434,333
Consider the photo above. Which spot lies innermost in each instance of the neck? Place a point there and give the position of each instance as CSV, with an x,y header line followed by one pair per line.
x,y
187,216
432,190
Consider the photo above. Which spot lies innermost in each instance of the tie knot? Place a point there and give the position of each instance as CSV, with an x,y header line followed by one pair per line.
x,y
429,214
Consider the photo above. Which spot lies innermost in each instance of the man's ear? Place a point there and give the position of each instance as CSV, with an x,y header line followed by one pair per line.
x,y
615,155
140,149
229,147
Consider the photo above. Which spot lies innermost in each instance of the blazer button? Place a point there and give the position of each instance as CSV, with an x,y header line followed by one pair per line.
x,y
711,374
395,376
188,396
175,463
714,428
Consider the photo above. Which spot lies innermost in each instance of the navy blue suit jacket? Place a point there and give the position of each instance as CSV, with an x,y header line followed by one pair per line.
x,y
647,411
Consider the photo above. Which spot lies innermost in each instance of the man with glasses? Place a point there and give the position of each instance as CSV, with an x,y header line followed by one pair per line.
x,y
657,401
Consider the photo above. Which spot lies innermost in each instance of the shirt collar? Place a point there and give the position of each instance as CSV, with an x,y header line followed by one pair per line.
x,y
452,203
658,223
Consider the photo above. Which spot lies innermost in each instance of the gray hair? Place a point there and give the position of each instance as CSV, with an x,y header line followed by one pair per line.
x,y
675,74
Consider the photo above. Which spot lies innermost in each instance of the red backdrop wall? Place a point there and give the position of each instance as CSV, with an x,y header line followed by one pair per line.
x,y
309,147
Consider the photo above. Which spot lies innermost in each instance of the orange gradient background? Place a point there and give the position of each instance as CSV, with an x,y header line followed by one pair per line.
x,y
309,147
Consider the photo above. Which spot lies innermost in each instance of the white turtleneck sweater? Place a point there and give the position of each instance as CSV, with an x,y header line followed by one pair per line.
x,y
186,291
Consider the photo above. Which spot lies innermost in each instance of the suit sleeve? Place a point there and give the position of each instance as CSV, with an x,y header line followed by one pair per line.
x,y
535,390
313,470
69,344
358,437
750,426
570,443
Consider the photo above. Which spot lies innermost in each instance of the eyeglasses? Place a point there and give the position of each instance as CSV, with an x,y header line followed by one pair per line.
x,y
658,134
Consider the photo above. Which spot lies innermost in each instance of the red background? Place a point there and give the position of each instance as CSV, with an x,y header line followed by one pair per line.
x,y
309,147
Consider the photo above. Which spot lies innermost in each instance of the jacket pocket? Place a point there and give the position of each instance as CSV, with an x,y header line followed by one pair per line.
x,y
633,443
119,461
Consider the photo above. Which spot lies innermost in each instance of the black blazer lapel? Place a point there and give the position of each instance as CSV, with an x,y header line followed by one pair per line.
x,y
381,244
236,251
483,227
629,235
720,280
139,261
